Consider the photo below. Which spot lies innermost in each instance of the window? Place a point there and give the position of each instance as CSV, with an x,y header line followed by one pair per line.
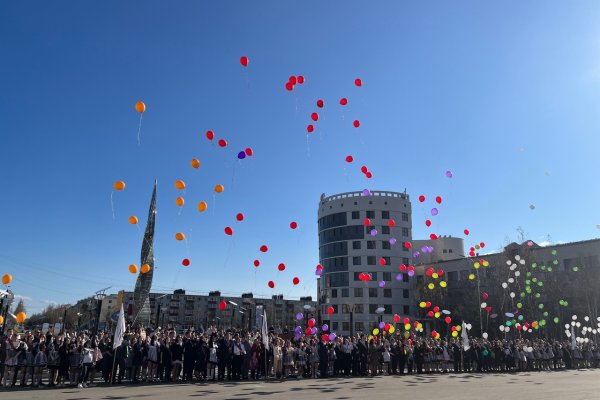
x,y
370,260
368,229
385,245
388,309
345,309
385,215
371,245
453,276
405,217
370,214
334,326
356,260
406,310
333,293
387,276
359,308
359,326
385,230
372,308
355,214
449,250
345,326
405,232
345,292
358,292
356,245
405,261
372,292
405,293
388,261
387,292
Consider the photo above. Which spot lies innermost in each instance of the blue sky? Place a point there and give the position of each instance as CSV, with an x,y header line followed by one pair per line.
x,y
503,94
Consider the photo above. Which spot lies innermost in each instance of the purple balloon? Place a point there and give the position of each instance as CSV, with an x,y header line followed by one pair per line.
x,y
297,336
416,254
299,316
373,232
318,272
325,328
332,336
381,283
411,273
313,330
381,325
242,155
434,211
430,249
298,329
449,174
366,192
392,241
399,277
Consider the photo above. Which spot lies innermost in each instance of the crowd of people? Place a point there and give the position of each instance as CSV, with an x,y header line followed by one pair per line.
x,y
82,359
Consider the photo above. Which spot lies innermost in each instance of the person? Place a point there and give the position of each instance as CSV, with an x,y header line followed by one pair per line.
x,y
53,361
374,353
75,364
152,359
387,357
200,358
456,353
419,356
189,354
277,358
87,355
255,360
177,357
323,354
64,365
247,356
314,357
224,355
213,358
288,359
238,352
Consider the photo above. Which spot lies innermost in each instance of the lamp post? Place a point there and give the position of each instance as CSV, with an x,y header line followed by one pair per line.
x,y
158,306
351,310
99,296
379,311
6,298
234,304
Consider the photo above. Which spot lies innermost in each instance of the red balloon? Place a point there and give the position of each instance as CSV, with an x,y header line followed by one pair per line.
x,y
222,143
264,248
364,169
349,159
314,116
320,103
436,309
344,101
367,222
256,263
429,271
185,262
396,318
387,327
271,284
438,200
391,223
421,198
402,267
281,267
427,222
482,245
308,331
453,329
369,175
433,236
472,253
325,337
249,152
310,128
244,61
228,230
289,86
406,320
311,322
485,296
466,231
356,123
296,280
367,277
210,135
407,245
319,267
292,80
300,79
330,310
382,261
430,313
358,82
488,309
222,305
427,304
293,224
448,320
434,333
239,217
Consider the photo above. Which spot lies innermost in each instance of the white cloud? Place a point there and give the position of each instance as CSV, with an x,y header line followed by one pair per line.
x,y
49,302
22,297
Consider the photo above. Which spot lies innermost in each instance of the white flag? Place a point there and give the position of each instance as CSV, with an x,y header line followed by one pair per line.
x,y
465,337
120,329
573,338
264,331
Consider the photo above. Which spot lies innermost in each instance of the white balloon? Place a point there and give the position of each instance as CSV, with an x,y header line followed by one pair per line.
x,y
517,257
507,329
586,318
567,326
574,317
502,328
578,324
504,285
512,295
522,262
511,280
508,262
513,267
485,335
517,273
572,323
483,305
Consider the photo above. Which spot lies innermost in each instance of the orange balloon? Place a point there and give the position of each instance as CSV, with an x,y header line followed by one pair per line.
x,y
1,320
180,201
133,220
179,236
195,163
133,269
140,107
145,268
202,206
21,317
6,279
119,185
179,185
219,188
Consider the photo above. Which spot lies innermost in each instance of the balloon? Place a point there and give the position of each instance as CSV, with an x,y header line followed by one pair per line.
x,y
244,61
219,188
427,222
296,280
485,296
195,163
314,116
330,310
448,174
185,262
1,320
369,175
289,86
392,241
228,230
179,236
373,232
382,261
210,135
448,320
343,101
180,201
300,79
264,248
281,267
320,103
376,331
434,333
308,331
119,185
381,325
293,224
381,284
299,316
438,200
241,155
271,284
179,185
325,327
239,216
249,152
202,206
21,317
466,231
366,222
349,159
292,79
364,169
407,245
443,284
392,329
145,268
430,286
310,128
356,123
311,322
222,143
256,263
434,211
433,236
421,198
222,305
140,107
133,269
332,336
133,220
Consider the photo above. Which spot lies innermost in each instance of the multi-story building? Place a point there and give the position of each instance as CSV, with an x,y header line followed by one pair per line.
x,y
364,233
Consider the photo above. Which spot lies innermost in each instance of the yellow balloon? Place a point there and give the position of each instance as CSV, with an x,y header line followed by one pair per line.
x,y
486,264
458,328
1,320
195,163
6,279
422,304
476,265
392,329
179,184
119,185
437,314
145,268
407,327
180,201
219,188
434,275
202,206
407,334
471,276
375,331
133,220
21,317
179,236
133,269
140,107
431,286
443,283
454,334
419,326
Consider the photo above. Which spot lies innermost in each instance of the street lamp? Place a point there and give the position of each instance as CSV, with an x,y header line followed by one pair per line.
x,y
234,304
99,296
158,308
6,296
351,310
379,311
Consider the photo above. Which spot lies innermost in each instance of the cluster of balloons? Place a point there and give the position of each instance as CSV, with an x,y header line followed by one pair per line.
x,y
368,174
435,275
245,153
294,80
410,269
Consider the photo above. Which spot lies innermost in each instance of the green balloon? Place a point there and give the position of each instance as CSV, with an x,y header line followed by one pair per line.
x,y
519,305
575,269
528,274
549,269
541,306
533,265
556,320
555,262
553,252
537,295
545,313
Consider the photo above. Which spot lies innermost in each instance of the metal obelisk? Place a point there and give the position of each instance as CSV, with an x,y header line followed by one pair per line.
x,y
141,303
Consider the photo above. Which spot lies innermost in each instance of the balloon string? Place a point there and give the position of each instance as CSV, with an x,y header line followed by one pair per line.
x,y
307,147
112,206
139,131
